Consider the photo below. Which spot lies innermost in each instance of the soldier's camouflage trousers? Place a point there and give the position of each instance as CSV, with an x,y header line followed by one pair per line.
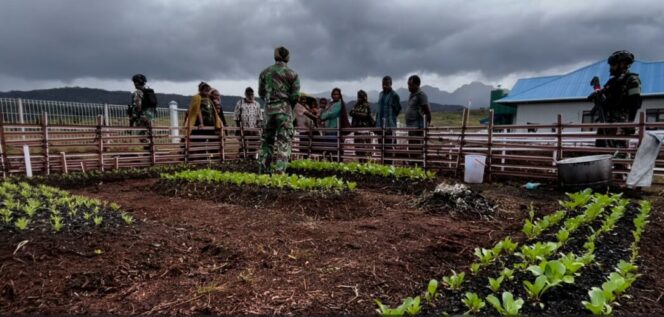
x,y
276,143
142,119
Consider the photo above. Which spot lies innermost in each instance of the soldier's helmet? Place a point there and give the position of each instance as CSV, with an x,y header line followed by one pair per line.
x,y
139,79
621,56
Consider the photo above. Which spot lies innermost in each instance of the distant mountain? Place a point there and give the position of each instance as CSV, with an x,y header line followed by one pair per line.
x,y
476,92
93,95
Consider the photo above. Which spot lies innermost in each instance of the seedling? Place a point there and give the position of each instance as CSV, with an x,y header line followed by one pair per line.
x,y
538,251
432,291
571,262
485,256
473,302
127,218
508,307
56,221
6,215
97,220
455,280
562,235
507,273
22,223
410,305
474,268
494,283
549,274
598,304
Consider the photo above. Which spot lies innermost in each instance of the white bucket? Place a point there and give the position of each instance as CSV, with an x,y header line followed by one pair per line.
x,y
474,172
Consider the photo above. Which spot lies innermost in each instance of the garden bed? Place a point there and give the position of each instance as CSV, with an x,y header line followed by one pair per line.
x,y
405,180
325,198
587,267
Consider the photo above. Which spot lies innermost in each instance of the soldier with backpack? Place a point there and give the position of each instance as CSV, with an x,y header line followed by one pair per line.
x,y
143,107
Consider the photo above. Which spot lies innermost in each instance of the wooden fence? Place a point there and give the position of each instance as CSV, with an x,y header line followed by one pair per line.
x,y
510,150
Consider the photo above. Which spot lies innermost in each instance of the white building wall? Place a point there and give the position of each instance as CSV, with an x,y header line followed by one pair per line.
x,y
572,112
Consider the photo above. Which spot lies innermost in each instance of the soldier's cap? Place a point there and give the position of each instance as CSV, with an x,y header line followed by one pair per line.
x,y
281,54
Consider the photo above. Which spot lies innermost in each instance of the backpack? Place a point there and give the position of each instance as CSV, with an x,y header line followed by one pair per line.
x,y
149,98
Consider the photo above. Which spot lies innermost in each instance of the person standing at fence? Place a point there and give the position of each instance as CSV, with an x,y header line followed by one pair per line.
x,y
202,117
143,105
279,86
335,116
621,97
248,115
247,112
362,118
417,112
215,97
389,107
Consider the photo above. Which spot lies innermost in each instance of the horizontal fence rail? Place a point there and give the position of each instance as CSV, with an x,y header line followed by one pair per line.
x,y
56,147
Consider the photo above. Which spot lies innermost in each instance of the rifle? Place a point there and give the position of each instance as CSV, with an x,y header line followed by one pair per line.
x,y
598,98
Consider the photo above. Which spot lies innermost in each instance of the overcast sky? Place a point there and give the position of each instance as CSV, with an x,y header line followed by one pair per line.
x,y
345,43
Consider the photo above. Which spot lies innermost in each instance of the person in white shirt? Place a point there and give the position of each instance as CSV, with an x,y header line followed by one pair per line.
x,y
248,111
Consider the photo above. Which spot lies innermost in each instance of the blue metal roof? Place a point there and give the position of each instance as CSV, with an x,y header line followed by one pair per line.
x,y
576,85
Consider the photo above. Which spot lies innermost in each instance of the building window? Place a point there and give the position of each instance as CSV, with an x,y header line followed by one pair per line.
x,y
655,115
588,118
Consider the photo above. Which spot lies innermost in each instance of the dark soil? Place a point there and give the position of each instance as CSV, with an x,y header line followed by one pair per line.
x,y
322,205
189,256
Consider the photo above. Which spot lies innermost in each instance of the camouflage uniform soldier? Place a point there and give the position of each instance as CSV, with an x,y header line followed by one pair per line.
x,y
279,86
621,97
143,103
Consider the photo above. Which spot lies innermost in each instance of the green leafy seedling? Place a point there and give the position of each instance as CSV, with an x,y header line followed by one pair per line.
x,y
473,302
494,283
455,280
22,223
127,218
485,256
56,222
598,304
508,307
97,220
507,273
432,291
475,268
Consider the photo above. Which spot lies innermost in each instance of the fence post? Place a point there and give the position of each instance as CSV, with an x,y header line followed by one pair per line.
x,y
243,142
3,144
339,140
642,126
153,152
107,122
187,131
425,143
489,145
464,123
311,138
44,124
559,135
382,142
27,160
21,119
63,157
175,131
222,154
100,142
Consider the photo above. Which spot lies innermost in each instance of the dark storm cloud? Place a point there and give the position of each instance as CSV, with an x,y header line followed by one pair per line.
x,y
329,40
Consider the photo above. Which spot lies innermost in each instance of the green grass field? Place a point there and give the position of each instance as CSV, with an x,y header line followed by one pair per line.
x,y
441,119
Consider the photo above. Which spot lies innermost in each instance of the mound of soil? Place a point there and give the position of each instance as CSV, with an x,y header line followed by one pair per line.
x,y
322,205
457,200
